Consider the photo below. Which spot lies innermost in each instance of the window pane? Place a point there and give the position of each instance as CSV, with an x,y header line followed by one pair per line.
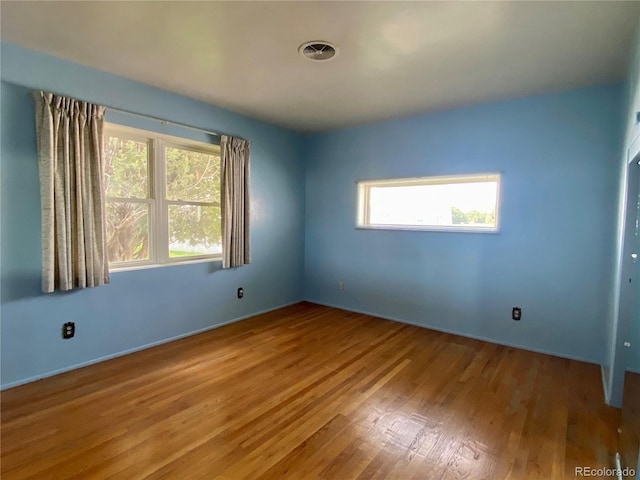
x,y
127,231
126,168
470,205
192,176
194,230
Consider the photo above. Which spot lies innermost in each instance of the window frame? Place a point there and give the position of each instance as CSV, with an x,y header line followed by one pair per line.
x,y
363,188
157,199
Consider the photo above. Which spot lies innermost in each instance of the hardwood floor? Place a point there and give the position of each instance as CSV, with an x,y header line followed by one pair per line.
x,y
311,392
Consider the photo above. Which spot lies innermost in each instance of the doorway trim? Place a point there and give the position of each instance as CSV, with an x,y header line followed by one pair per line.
x,y
623,290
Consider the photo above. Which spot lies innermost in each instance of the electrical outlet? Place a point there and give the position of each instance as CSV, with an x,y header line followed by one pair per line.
x,y
68,330
516,313
240,292
341,285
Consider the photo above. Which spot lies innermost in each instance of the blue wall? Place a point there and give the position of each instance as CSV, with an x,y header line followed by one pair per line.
x,y
553,257
144,306
618,324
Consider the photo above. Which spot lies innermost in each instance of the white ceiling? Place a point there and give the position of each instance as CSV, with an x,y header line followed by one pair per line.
x,y
395,58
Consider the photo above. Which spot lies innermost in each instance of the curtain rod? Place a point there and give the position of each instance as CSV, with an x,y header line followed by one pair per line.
x,y
164,121
150,117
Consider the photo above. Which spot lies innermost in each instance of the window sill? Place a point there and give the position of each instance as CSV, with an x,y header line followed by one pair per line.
x,y
493,231
145,266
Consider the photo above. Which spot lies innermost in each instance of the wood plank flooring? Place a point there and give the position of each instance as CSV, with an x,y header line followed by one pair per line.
x,y
311,392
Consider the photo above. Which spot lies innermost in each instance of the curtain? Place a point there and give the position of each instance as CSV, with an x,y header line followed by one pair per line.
x,y
235,201
71,165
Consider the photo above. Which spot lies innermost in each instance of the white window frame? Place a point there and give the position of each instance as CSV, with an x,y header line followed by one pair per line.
x,y
156,170
364,189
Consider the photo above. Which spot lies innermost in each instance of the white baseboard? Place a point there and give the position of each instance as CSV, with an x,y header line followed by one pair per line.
x,y
618,466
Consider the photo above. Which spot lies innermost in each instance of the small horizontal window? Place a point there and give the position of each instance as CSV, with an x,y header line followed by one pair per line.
x,y
460,203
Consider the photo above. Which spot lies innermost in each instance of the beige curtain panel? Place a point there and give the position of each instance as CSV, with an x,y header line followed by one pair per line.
x,y
235,201
71,164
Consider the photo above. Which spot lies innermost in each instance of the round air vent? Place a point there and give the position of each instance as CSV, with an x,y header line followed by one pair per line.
x,y
318,50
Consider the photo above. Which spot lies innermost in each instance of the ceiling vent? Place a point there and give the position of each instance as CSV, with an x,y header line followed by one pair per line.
x,y
318,51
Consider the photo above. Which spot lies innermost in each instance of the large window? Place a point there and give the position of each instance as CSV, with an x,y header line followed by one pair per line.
x,y
163,198
461,203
